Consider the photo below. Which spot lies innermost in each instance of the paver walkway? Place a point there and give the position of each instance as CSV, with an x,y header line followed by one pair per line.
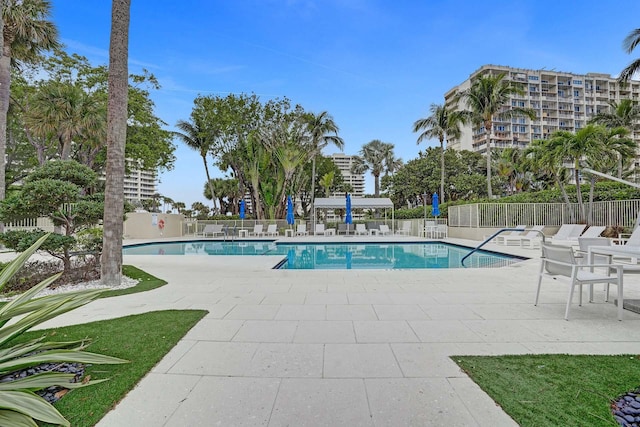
x,y
346,348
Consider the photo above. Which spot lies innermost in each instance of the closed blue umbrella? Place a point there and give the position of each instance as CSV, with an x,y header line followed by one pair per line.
x,y
290,218
435,209
242,209
347,217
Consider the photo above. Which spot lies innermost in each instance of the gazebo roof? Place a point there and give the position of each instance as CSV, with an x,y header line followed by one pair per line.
x,y
356,203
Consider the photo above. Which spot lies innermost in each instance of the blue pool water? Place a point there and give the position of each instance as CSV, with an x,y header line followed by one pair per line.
x,y
337,256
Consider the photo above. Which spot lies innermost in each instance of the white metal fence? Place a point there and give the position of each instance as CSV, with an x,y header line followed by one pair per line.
x,y
620,213
30,224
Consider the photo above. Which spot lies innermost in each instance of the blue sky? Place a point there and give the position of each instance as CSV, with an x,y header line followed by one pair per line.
x,y
374,65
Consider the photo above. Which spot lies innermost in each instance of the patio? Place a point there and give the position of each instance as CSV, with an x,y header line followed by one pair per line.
x,y
347,347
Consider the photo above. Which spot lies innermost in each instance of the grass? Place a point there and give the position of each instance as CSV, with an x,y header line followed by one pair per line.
x,y
146,282
142,339
555,390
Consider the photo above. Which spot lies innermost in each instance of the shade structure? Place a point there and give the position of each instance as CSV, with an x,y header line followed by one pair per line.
x,y
242,209
290,218
435,209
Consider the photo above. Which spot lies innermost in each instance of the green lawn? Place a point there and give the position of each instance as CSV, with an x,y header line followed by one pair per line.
x,y
554,390
142,339
146,282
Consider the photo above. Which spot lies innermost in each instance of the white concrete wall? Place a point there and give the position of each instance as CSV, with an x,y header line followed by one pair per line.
x,y
143,225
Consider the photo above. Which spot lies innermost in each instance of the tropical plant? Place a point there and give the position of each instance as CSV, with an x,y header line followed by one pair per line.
x,y
486,99
376,156
443,123
19,404
26,32
323,131
625,113
194,136
629,44
111,265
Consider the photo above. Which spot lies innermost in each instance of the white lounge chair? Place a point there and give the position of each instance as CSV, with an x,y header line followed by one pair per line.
x,y
272,230
361,229
384,230
593,231
531,237
301,230
213,230
567,232
405,229
257,230
499,239
558,262
632,240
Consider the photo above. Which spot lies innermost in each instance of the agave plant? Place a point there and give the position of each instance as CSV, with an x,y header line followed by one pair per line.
x,y
19,405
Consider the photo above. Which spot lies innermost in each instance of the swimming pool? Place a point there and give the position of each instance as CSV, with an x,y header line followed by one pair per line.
x,y
338,256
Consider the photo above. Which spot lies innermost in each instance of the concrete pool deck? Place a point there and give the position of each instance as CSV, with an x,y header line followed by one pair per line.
x,y
349,347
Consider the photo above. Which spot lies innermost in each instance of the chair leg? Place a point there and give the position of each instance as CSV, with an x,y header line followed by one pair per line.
x,y
620,297
566,312
539,282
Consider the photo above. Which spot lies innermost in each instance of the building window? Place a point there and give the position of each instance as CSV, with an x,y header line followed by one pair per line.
x,y
500,128
577,82
577,108
534,78
576,93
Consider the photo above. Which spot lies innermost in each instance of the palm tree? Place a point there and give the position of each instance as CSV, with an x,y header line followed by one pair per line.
x,y
67,112
486,99
26,32
116,137
443,123
374,156
323,131
194,135
625,113
630,42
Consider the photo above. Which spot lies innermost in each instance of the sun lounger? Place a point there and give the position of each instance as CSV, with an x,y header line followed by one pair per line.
x,y
213,230
531,237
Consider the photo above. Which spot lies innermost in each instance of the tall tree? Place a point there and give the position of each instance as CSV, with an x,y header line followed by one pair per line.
x,y
441,124
486,99
323,131
629,44
197,138
26,32
375,156
116,137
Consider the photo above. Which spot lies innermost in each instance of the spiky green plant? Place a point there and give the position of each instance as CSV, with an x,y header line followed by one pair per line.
x,y
19,405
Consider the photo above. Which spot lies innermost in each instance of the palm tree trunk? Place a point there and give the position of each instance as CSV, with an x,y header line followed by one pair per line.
x,y
442,170
206,170
111,266
5,82
313,191
488,128
576,174
376,184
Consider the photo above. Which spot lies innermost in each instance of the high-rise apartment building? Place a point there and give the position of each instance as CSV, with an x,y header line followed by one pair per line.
x,y
140,185
344,163
561,100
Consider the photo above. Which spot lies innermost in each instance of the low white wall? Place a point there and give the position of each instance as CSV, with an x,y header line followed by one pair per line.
x,y
145,225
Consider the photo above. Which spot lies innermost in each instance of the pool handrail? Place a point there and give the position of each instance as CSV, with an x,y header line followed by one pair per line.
x,y
490,238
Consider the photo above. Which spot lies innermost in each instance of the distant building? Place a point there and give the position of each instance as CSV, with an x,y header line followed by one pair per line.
x,y
344,162
562,101
140,185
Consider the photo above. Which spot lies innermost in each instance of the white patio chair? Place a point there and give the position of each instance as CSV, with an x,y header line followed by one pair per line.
x,y
632,240
319,229
257,230
531,237
384,230
567,232
301,230
213,229
559,263
405,229
272,230
362,229
499,239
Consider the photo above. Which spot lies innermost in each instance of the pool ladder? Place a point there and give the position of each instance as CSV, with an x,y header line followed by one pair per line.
x,y
488,239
